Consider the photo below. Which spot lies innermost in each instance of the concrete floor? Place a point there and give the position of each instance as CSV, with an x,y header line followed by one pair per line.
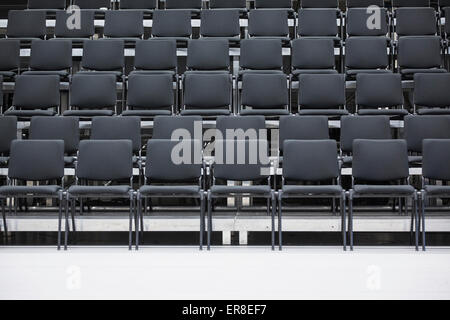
x,y
224,273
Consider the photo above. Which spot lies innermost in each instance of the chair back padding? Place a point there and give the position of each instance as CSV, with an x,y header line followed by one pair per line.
x,y
61,128
436,159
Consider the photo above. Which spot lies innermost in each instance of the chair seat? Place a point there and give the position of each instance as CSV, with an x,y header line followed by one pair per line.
x,y
8,74
205,112
178,39
223,190
247,71
312,190
282,38
415,159
125,39
30,113
383,112
264,112
232,39
433,111
347,160
144,72
298,72
76,40
383,189
409,73
61,73
118,74
206,72
99,190
29,190
146,113
353,72
169,190
323,112
336,39
87,113
437,190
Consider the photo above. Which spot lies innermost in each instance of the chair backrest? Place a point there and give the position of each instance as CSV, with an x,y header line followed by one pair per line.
x,y
419,128
268,4
223,4
36,160
380,160
364,3
317,23
310,160
93,4
261,54
220,23
150,91
117,128
361,127
431,90
242,127
51,55
444,3
389,92
264,91
173,161
319,3
357,22
47,4
267,23
156,55
366,53
165,126
93,92
239,160
105,160
138,4
87,26
57,128
313,54
321,91
419,52
435,154
416,22
447,25
303,128
207,90
36,92
183,4
9,54
103,55
124,23
171,23
26,24
208,54
8,133
410,3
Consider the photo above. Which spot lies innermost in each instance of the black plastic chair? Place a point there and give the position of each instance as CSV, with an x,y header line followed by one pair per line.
x,y
58,128
9,58
378,164
166,177
431,96
435,154
26,25
39,161
302,165
246,165
102,161
221,24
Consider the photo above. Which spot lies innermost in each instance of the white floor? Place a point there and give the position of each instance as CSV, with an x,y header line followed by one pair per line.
x,y
224,273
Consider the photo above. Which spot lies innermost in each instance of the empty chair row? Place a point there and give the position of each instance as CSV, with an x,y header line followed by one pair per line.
x,y
211,95
311,56
100,160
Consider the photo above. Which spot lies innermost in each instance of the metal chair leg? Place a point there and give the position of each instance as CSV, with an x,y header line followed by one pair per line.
x,y
423,224
344,233
202,219
280,230
350,221
59,220
66,229
130,231
209,222
72,213
137,219
5,226
273,221
416,216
